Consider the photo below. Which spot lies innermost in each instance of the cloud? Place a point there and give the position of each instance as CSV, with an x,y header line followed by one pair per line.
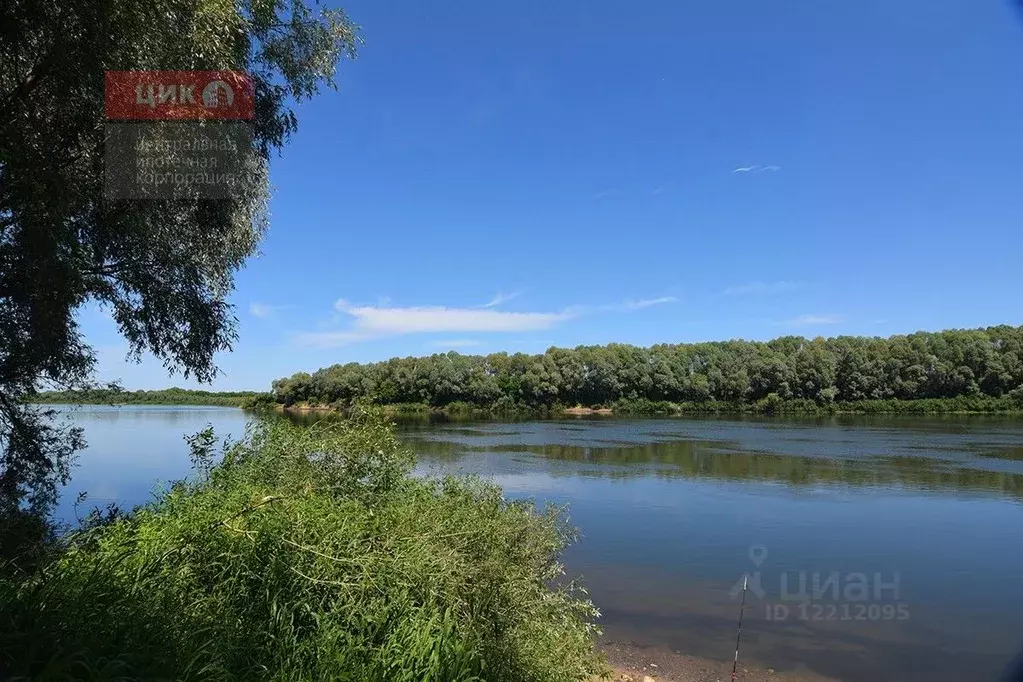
x,y
647,302
757,169
264,310
381,320
609,192
371,322
814,320
501,298
626,305
761,288
456,343
378,321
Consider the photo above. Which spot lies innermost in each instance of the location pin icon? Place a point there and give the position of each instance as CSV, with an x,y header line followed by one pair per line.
x,y
757,554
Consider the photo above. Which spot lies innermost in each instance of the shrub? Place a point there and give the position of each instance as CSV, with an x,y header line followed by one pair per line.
x,y
307,554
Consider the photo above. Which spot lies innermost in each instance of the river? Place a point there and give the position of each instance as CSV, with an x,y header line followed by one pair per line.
x,y
875,548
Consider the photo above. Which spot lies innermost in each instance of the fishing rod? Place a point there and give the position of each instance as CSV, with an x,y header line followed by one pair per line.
x,y
738,634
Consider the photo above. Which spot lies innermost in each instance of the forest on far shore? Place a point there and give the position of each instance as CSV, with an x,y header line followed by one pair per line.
x,y
166,396
980,368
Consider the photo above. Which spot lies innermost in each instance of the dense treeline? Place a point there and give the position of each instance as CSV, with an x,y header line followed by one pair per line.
x,y
169,396
972,366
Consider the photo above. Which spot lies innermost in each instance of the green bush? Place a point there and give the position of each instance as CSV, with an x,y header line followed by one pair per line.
x,y
259,402
307,554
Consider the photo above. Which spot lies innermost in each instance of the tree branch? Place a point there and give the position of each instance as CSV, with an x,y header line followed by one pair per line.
x,y
23,89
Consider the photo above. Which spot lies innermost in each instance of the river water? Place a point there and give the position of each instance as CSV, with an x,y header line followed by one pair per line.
x,y
874,548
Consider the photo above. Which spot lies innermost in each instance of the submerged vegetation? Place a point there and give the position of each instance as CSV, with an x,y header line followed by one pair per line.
x,y
306,554
167,396
976,370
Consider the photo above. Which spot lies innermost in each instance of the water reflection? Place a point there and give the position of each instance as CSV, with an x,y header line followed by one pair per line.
x,y
974,466
134,450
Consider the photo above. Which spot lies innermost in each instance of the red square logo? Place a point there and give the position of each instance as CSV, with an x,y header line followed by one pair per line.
x,y
179,95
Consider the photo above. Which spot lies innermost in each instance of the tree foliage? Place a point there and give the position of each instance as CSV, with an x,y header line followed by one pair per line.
x,y
948,364
163,268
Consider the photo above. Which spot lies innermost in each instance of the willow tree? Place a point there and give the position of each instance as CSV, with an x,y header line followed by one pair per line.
x,y
163,267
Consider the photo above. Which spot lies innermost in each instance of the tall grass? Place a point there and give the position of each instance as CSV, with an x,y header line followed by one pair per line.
x,y
306,554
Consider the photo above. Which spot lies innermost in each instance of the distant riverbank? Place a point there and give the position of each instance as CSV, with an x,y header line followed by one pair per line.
x,y
169,396
623,408
637,408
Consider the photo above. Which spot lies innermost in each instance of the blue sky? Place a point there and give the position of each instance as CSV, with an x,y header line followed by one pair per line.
x,y
511,176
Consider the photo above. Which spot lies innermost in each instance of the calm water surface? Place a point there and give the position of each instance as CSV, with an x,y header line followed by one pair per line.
x,y
911,529
132,450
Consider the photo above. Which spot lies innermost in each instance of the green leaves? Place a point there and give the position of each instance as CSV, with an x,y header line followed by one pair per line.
x,y
164,267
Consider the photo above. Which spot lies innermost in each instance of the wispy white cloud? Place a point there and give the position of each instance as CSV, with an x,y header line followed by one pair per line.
x,y
383,320
761,288
815,320
456,343
260,309
375,321
264,310
622,306
501,298
371,322
647,302
757,169
609,192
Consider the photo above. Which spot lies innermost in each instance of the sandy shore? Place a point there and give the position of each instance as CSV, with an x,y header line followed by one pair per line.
x,y
633,663
578,409
304,408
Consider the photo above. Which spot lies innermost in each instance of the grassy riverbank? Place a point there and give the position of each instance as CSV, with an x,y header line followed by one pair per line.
x,y
168,396
308,554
